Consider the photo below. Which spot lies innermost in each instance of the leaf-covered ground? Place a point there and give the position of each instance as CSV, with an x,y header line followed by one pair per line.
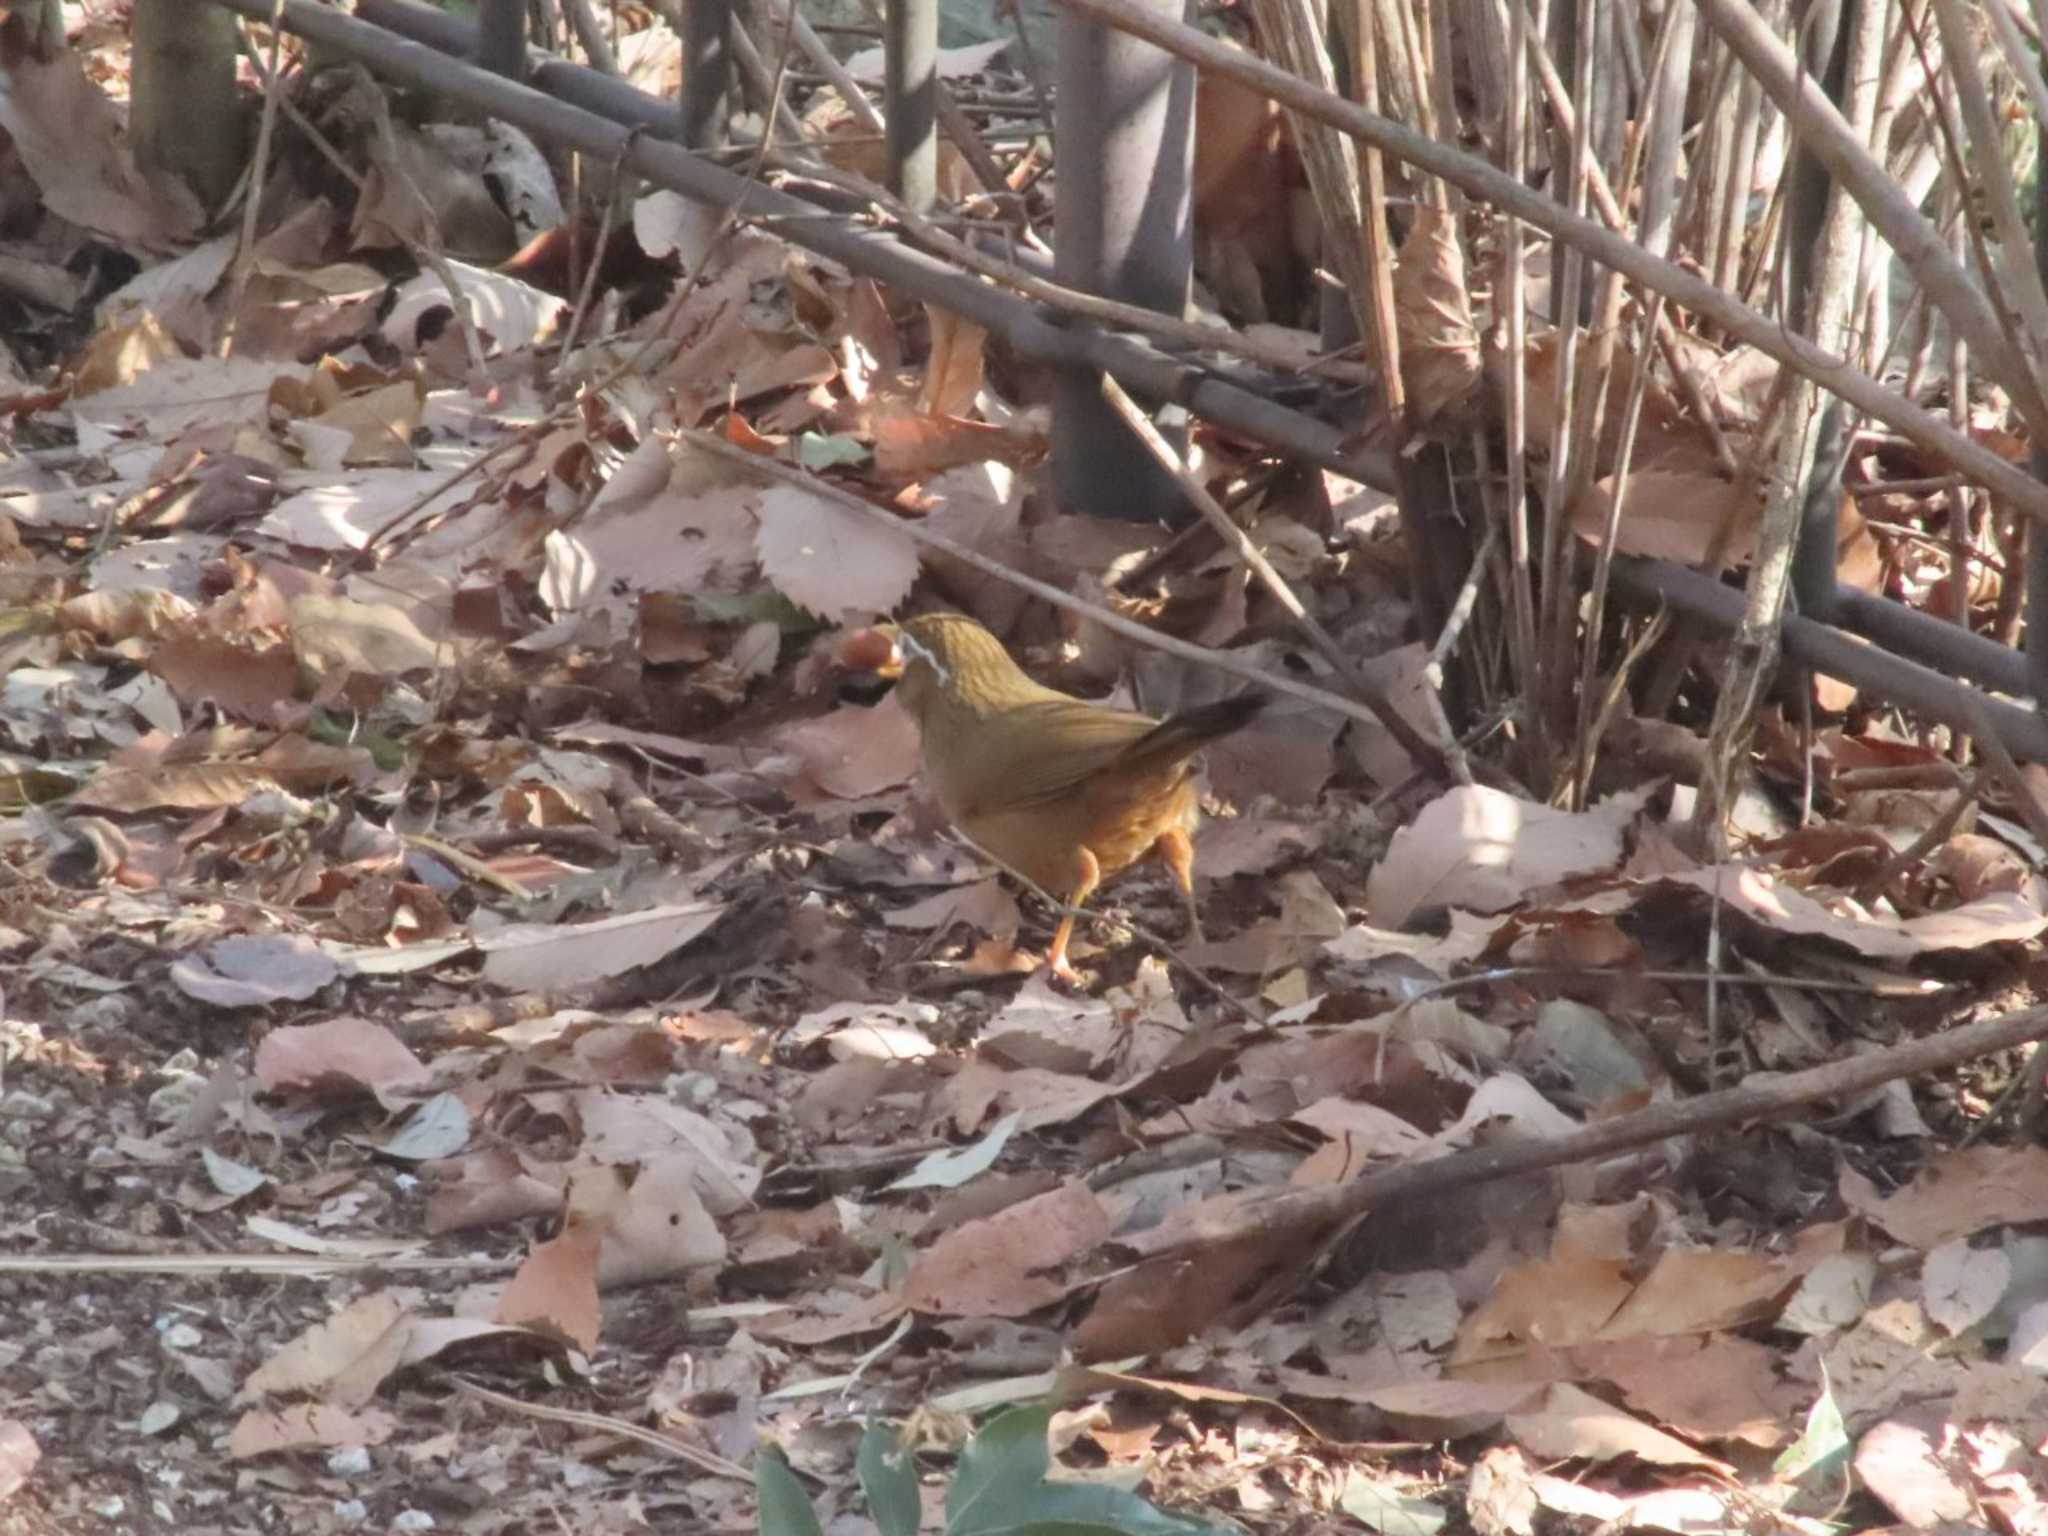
x,y
495,1037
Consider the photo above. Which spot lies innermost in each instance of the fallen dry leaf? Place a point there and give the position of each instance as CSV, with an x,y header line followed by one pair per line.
x,y
1484,850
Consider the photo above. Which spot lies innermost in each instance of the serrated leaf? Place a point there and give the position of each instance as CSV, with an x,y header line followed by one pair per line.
x,y
828,559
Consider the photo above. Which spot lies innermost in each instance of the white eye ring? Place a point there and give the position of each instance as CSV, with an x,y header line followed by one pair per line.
x,y
912,651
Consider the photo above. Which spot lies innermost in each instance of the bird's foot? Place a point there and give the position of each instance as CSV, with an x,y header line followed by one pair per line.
x,y
1062,969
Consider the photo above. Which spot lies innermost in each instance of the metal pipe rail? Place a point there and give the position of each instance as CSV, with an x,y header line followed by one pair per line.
x,y
586,111
1031,329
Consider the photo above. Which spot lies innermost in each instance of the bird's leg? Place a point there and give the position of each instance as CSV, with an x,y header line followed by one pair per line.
x,y
1177,849
1088,875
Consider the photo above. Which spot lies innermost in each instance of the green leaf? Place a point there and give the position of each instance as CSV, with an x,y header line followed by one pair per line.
x,y
888,1476
1815,1458
814,450
1003,1464
1381,1504
752,607
1073,1507
1001,1490
785,1507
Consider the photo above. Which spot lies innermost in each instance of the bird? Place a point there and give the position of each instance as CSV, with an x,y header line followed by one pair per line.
x,y
1061,791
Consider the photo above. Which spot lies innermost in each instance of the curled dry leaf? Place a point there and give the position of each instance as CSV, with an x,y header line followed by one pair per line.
x,y
253,970
1440,361
353,1052
1006,1265
307,1426
1996,919
1680,515
1484,850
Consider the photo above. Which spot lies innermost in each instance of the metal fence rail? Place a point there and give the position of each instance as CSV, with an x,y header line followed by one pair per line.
x,y
1882,647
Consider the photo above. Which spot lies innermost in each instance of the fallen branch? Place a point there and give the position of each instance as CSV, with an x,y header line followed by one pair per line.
x,y
1300,1216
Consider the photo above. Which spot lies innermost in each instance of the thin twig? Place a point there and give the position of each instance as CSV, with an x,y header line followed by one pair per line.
x,y
1130,629
273,91
604,1423
627,366
1684,288
1369,693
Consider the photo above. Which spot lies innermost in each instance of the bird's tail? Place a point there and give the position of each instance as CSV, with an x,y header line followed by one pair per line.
x,y
1184,734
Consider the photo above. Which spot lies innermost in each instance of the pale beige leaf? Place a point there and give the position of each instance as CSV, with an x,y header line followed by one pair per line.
x,y
1006,1265
1573,1424
1673,515
354,1052
1440,361
2001,918
1484,850
340,636
524,956
952,376
307,1426
342,1360
829,560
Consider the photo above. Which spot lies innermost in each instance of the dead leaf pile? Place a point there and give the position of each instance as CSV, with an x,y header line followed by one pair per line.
x,y
467,942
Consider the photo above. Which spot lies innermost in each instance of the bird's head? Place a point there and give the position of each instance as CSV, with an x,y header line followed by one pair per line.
x,y
938,657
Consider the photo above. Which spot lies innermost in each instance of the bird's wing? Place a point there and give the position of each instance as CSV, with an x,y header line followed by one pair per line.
x,y
1182,734
1045,750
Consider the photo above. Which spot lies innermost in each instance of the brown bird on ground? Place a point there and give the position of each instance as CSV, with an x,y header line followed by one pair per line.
x,y
1064,792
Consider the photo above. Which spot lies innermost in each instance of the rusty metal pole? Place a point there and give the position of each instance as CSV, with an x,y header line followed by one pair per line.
x,y
707,72
501,37
910,99
1125,136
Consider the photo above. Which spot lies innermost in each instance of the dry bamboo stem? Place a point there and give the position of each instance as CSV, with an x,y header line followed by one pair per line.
x,y
1680,286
